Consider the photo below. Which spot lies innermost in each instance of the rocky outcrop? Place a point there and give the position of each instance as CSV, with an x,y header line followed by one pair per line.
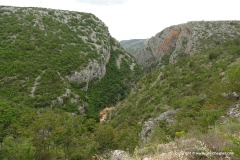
x,y
188,38
231,95
94,70
151,123
234,110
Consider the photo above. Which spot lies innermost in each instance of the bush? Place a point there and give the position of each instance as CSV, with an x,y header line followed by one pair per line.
x,y
212,55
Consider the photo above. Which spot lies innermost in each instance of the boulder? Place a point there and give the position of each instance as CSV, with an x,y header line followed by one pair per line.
x,y
119,155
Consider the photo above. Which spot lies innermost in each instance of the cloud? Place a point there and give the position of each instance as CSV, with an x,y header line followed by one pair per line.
x,y
102,2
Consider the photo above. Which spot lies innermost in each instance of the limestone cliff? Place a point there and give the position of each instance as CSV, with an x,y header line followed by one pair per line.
x,y
188,38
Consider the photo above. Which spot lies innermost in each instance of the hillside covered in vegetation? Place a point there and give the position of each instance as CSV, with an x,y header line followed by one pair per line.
x,y
59,69
191,106
53,58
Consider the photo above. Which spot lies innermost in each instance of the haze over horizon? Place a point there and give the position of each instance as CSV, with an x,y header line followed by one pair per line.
x,y
140,19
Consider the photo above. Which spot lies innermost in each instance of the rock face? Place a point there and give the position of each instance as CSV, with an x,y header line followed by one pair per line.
x,y
94,70
188,38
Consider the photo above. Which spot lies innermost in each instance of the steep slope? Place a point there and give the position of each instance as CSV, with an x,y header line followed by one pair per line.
x,y
188,38
49,58
183,99
133,45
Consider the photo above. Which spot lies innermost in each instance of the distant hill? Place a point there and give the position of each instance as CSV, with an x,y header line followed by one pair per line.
x,y
133,45
188,38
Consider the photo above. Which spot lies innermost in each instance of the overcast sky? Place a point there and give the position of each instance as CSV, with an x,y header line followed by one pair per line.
x,y
137,19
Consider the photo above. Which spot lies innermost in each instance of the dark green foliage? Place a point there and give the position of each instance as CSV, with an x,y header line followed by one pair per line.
x,y
165,59
113,87
213,55
8,115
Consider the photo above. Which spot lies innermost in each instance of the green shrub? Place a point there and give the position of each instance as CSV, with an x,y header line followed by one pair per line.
x,y
212,55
